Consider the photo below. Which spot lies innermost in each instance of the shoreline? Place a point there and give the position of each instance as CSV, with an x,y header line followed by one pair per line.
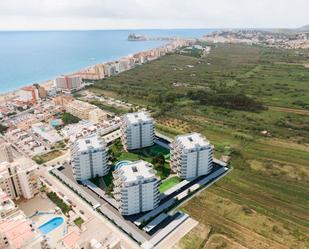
x,y
48,84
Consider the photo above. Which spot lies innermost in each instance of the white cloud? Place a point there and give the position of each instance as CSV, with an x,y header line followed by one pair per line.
x,y
104,14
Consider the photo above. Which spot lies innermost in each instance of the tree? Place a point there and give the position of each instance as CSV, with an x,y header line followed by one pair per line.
x,y
158,161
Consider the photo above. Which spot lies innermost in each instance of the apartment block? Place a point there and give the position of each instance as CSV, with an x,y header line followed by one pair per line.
x,y
191,155
68,83
89,158
19,179
137,130
97,115
136,188
28,95
6,152
7,206
80,109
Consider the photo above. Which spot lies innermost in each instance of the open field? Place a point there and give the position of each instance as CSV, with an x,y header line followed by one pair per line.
x,y
48,156
263,202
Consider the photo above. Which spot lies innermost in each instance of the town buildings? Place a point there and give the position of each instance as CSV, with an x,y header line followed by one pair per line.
x,y
28,95
84,110
68,83
6,152
7,206
19,179
16,231
89,158
136,188
97,115
46,132
191,155
137,130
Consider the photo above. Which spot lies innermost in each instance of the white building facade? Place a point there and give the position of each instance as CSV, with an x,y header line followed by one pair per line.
x,y
136,188
89,158
191,156
137,130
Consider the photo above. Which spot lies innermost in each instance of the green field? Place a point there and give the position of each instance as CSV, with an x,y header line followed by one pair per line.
x,y
168,183
263,202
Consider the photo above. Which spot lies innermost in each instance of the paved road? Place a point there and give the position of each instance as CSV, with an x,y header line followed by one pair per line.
x,y
82,205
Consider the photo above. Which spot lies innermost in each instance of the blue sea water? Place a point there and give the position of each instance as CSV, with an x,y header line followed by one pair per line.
x,y
28,57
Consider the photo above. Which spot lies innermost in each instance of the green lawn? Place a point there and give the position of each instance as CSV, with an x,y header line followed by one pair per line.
x,y
117,153
78,222
167,184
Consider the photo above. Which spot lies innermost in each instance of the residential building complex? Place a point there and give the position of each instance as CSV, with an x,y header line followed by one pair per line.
x,y
97,115
28,95
191,155
7,206
17,231
80,109
136,188
19,179
89,158
6,152
68,83
137,130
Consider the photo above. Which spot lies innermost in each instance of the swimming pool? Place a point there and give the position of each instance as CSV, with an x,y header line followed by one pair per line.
x,y
122,163
56,122
51,225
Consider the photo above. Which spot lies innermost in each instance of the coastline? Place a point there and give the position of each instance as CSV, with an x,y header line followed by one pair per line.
x,y
48,84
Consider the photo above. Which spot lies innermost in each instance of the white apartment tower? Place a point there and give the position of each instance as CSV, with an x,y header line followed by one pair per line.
x,y
19,179
136,188
191,155
89,158
137,130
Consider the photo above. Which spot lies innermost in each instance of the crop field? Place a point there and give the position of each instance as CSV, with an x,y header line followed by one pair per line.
x,y
264,201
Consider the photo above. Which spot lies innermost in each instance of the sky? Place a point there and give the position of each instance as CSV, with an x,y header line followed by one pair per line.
x,y
139,14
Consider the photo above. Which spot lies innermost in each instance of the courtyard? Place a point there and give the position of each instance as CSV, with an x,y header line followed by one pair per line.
x,y
157,155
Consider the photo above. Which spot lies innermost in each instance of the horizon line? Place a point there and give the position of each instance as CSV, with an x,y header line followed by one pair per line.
x,y
128,29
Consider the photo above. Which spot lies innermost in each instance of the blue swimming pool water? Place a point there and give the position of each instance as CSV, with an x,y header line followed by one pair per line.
x,y
56,122
51,225
122,163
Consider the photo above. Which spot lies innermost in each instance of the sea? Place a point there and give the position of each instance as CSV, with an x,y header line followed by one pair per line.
x,y
28,57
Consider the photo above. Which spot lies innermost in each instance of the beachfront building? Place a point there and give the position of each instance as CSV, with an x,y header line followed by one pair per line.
x,y
89,158
19,179
6,152
191,155
137,130
68,83
136,188
28,95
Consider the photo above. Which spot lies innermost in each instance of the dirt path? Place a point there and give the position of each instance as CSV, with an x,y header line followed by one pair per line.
x,y
288,110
